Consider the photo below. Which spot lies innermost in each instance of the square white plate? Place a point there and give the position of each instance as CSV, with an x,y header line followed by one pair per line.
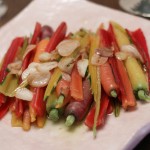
x,y
119,133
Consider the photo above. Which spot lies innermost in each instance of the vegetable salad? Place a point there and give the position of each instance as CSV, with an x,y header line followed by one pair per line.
x,y
83,76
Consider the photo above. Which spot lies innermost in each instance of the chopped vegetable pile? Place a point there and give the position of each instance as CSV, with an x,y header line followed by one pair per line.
x,y
82,76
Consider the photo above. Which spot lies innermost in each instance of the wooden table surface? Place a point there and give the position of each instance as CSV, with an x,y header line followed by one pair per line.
x,y
15,6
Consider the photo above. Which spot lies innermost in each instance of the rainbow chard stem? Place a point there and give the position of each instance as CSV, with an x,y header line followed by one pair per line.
x,y
54,115
143,96
70,120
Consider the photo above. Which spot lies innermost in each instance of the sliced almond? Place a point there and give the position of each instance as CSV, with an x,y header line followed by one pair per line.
x,y
66,47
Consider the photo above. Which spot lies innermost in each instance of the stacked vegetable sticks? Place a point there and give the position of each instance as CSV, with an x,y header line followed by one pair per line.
x,y
37,105
139,41
70,84
20,108
83,76
8,80
136,79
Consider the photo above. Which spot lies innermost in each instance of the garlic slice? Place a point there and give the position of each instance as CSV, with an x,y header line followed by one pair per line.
x,y
66,64
24,94
66,76
43,67
66,47
38,79
15,67
82,66
132,50
121,55
33,65
45,56
31,69
98,60
29,49
28,71
104,52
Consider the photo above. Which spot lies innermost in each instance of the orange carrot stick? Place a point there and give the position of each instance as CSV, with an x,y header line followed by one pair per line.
x,y
63,87
76,85
108,80
107,77
130,100
41,46
62,91
127,96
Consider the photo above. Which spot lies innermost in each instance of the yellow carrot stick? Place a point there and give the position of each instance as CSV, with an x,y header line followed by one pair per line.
x,y
16,121
41,121
26,120
95,79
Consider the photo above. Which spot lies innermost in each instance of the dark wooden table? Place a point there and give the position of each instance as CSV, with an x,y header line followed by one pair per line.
x,y
15,6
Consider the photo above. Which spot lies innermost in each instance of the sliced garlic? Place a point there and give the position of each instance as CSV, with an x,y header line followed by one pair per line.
x,y
31,69
38,79
66,76
121,55
98,60
24,94
29,49
66,64
44,57
104,52
82,66
66,47
15,67
33,65
28,71
132,50
43,67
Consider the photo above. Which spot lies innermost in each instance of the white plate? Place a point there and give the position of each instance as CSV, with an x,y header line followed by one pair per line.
x,y
119,133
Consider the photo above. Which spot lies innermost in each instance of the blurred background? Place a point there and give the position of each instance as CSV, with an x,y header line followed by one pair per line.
x,y
10,8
